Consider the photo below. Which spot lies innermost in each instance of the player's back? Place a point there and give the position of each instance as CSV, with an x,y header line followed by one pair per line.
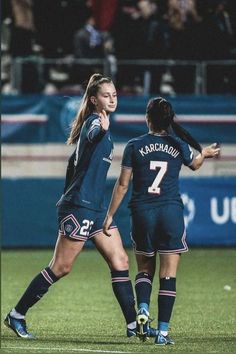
x,y
156,161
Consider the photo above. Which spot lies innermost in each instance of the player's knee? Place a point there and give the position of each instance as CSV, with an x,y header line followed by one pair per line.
x,y
121,261
62,270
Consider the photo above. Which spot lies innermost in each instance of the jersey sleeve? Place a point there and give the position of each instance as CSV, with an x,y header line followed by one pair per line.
x,y
69,171
95,131
187,153
127,158
185,150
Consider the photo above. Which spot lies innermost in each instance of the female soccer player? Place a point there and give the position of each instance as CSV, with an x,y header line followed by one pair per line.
x,y
154,160
81,211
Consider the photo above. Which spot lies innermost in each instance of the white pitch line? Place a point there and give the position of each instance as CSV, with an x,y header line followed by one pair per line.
x,y
68,350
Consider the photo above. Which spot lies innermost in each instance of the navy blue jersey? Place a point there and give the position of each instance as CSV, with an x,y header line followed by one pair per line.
x,y
88,166
156,161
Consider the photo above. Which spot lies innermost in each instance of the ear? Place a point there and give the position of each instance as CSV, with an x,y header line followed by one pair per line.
x,y
93,100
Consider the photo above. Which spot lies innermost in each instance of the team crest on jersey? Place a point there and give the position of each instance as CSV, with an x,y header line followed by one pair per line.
x,y
189,209
68,228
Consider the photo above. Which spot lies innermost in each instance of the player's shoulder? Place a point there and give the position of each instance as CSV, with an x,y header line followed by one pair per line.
x,y
92,121
137,140
91,117
175,140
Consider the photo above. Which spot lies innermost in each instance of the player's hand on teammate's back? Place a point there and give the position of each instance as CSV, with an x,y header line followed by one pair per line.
x,y
104,120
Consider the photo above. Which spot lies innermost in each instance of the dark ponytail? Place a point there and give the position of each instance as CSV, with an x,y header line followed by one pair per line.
x,y
161,115
186,136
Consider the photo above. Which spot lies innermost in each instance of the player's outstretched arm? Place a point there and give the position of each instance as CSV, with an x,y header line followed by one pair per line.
x,y
209,151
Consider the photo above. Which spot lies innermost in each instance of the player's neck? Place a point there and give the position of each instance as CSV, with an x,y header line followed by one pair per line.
x,y
158,132
98,113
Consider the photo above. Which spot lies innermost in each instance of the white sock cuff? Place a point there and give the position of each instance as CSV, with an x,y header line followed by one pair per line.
x,y
131,325
164,333
16,314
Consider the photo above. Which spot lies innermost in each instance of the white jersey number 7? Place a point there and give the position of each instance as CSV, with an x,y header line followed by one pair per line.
x,y
162,165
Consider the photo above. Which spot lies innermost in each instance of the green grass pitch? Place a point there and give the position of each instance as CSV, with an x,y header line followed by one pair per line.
x,y
80,314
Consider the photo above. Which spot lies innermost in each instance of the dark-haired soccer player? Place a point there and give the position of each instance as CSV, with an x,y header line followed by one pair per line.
x,y
155,160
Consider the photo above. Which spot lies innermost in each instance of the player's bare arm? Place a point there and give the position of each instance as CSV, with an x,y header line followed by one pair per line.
x,y
120,189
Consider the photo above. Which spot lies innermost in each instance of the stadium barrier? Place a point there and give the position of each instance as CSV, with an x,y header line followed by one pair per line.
x,y
189,76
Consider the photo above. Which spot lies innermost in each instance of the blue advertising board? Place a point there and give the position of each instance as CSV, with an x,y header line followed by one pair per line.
x,y
34,119
30,220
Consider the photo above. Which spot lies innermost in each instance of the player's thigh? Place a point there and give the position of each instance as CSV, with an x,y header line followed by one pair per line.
x,y
144,232
173,234
111,248
74,226
65,253
169,265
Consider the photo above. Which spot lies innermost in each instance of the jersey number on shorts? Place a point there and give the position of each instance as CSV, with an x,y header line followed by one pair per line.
x,y
162,166
84,231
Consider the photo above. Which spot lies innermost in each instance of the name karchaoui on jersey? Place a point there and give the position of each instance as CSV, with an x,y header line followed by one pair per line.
x,y
147,149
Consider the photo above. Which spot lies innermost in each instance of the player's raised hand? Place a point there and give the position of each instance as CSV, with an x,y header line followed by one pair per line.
x,y
106,224
210,151
104,120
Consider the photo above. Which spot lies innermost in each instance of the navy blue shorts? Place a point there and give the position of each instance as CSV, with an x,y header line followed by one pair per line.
x,y
80,223
160,229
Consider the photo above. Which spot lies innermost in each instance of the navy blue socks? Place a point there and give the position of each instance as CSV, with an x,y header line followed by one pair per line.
x,y
166,299
143,289
123,291
36,289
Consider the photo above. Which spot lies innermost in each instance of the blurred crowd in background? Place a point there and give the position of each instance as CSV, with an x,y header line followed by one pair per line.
x,y
193,30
